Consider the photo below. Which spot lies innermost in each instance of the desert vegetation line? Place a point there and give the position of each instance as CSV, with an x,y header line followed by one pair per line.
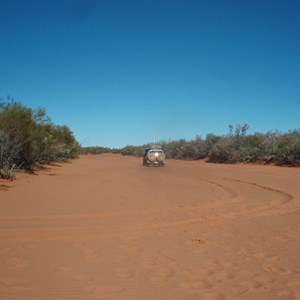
x,y
237,146
28,137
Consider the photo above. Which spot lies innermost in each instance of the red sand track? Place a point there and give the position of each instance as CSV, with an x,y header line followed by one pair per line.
x,y
104,227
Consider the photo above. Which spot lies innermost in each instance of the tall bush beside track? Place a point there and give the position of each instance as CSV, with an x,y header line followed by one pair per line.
x,y
16,126
28,137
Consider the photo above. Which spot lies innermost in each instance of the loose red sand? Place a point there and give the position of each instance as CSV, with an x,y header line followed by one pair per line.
x,y
104,227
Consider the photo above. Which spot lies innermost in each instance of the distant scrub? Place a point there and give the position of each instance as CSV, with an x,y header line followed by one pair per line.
x,y
237,146
28,137
96,150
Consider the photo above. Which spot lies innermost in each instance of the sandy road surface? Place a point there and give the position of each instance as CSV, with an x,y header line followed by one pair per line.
x,y
104,227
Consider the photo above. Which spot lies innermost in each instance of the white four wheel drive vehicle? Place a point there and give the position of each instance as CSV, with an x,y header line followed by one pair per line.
x,y
154,156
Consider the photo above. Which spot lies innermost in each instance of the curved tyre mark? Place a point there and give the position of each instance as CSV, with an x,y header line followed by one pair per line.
x,y
104,223
230,191
287,197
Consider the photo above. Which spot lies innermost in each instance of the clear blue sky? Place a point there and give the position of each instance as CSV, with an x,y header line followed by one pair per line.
x,y
115,72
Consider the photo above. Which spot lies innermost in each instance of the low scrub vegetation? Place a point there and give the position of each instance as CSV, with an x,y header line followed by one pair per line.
x,y
28,137
97,150
237,146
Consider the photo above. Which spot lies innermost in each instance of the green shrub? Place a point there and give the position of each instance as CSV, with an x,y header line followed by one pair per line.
x,y
223,152
288,148
27,136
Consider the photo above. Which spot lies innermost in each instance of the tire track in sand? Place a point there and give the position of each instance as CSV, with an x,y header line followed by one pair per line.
x,y
104,223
